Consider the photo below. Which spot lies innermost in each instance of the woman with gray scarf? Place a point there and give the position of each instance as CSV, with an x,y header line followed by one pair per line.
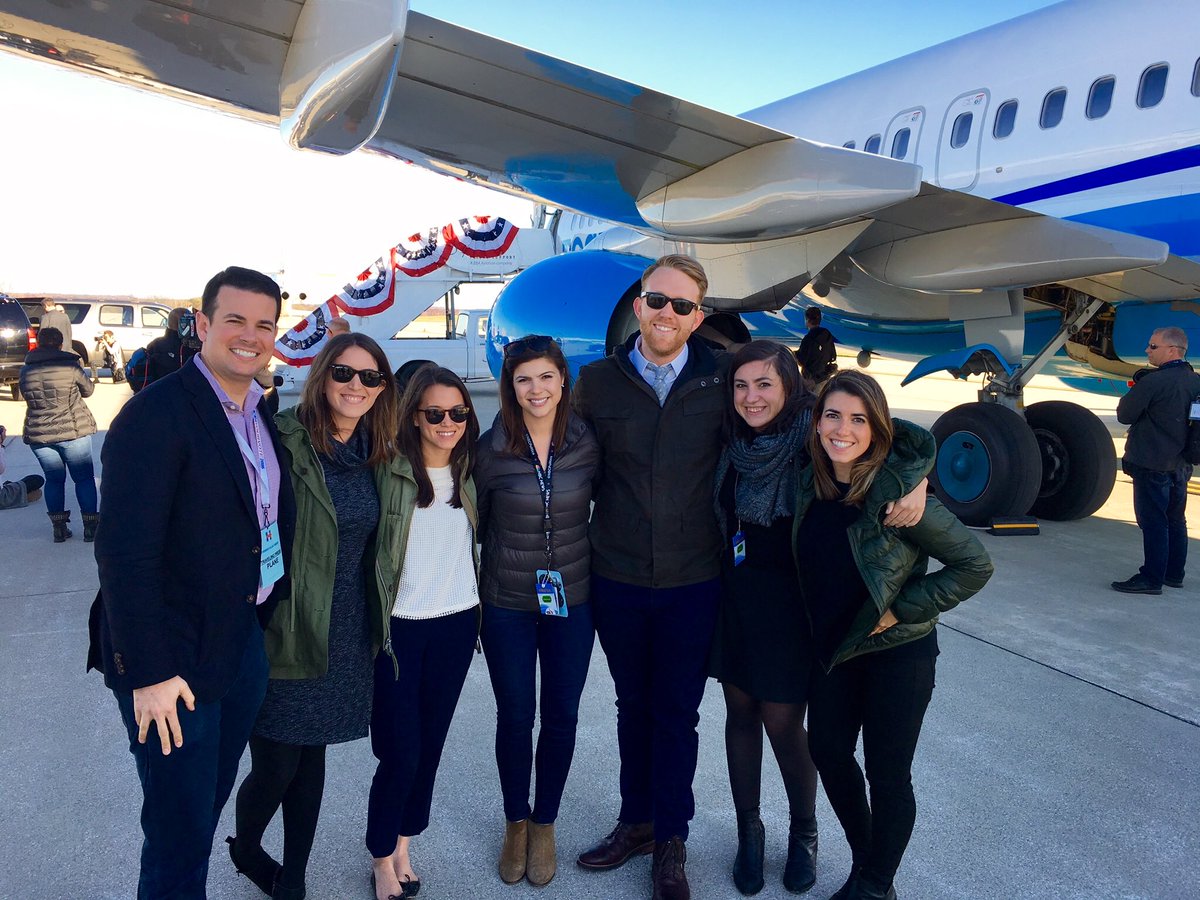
x,y
762,647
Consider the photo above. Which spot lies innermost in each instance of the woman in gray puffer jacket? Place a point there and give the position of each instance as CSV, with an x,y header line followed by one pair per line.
x,y
59,429
537,453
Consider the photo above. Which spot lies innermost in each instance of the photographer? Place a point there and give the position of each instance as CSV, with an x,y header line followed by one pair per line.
x,y
179,344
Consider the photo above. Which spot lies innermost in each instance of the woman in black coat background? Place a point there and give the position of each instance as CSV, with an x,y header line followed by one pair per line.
x,y
534,479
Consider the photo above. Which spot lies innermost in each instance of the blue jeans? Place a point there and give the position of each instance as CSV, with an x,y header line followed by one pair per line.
x,y
59,457
183,793
1159,499
657,642
514,640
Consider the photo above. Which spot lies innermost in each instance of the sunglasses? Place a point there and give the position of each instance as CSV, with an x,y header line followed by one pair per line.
x,y
435,415
681,307
1156,346
535,343
368,378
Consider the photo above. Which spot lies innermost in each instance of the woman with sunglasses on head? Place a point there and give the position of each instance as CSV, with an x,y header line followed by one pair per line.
x,y
534,477
434,621
761,652
345,468
873,609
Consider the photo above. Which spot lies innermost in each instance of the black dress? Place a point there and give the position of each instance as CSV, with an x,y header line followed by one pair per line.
x,y
762,642
337,706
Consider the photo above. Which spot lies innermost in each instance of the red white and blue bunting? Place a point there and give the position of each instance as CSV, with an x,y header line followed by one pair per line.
x,y
478,237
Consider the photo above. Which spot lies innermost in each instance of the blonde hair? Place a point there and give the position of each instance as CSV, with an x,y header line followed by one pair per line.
x,y
680,263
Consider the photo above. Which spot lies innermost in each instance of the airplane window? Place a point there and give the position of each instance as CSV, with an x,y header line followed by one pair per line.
x,y
849,145
961,132
872,144
1100,98
900,144
1152,86
1052,107
1006,118
1196,80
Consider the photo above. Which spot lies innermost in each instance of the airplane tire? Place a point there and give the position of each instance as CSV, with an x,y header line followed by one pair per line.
x,y
988,463
1079,461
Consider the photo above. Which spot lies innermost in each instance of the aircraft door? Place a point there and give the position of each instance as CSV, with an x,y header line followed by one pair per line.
x,y
958,145
903,135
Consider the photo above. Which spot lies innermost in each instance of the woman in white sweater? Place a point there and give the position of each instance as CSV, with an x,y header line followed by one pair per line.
x,y
434,623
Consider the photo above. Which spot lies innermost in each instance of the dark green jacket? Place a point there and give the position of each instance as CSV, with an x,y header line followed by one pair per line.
x,y
297,639
893,562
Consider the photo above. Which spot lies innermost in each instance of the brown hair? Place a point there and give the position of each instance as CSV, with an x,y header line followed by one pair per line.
x,y
680,263
313,409
519,352
796,394
879,419
461,457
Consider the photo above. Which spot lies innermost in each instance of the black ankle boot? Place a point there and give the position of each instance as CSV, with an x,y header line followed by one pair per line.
x,y
863,888
91,521
257,865
748,864
59,520
800,873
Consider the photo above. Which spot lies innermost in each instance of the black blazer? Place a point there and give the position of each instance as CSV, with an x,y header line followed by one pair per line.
x,y
178,542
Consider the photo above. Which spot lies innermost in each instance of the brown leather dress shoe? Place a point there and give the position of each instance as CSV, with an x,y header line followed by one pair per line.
x,y
621,843
670,881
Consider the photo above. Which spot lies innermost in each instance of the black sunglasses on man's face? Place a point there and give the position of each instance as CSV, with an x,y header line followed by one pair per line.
x,y
679,306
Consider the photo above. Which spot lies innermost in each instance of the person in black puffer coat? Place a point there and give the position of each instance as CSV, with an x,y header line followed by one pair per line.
x,y
59,429
535,421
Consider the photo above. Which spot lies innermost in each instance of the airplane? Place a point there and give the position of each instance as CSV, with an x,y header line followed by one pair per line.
x,y
980,204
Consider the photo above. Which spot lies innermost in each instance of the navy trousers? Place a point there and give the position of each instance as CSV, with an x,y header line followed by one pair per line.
x,y
657,643
1159,499
515,641
184,792
410,719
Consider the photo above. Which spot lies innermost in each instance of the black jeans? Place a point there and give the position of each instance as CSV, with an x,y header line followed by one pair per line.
x,y
884,695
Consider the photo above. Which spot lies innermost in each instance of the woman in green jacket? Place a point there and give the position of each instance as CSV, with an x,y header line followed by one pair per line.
x,y
873,610
351,500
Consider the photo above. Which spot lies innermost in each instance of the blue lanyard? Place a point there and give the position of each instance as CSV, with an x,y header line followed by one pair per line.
x,y
545,484
259,463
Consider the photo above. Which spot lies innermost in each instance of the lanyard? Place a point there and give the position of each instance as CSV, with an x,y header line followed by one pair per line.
x,y
544,477
259,463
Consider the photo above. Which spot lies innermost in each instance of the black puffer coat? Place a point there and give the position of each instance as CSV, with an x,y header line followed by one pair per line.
x,y
54,386
510,517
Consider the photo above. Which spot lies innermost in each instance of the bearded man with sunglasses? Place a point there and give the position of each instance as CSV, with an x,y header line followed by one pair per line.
x,y
195,536
657,405
1156,409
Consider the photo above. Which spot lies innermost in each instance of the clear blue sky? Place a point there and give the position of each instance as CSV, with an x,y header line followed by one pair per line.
x,y
108,190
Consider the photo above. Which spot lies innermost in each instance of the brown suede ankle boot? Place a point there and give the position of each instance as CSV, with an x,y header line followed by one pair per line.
x,y
543,862
512,854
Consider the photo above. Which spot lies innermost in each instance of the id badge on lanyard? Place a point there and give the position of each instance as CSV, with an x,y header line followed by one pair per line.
x,y
548,584
270,555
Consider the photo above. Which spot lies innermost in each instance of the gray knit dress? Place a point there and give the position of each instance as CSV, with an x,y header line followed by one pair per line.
x,y
337,706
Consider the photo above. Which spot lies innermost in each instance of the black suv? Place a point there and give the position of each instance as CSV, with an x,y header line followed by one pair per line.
x,y
16,340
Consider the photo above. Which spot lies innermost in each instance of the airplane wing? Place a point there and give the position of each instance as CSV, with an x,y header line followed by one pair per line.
x,y
336,76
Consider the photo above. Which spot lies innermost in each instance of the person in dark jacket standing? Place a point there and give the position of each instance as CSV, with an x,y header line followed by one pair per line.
x,y
1156,409
54,316
164,354
873,610
534,478
658,407
59,428
817,353
194,542
343,459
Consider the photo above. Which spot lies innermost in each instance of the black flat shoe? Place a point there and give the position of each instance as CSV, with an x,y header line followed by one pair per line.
x,y
399,896
261,870
412,887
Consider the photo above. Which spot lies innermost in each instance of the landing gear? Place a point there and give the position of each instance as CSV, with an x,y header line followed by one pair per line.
x,y
988,463
1079,461
863,359
1054,461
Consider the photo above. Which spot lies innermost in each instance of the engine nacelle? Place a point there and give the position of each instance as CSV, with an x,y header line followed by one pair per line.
x,y
581,299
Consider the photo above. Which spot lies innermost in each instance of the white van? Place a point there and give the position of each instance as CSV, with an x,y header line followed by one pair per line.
x,y
134,323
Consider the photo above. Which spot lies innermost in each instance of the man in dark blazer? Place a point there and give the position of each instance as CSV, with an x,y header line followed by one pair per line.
x,y
196,521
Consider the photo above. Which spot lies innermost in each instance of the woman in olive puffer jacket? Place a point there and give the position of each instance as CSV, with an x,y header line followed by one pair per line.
x,y
59,429
526,618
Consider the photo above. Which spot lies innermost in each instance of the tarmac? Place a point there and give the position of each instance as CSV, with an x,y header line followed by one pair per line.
x,y
1060,756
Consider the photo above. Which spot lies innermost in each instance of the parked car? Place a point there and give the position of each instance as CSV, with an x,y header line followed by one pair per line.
x,y
16,340
135,323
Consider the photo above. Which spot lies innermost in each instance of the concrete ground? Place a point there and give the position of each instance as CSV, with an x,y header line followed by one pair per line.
x,y
1060,756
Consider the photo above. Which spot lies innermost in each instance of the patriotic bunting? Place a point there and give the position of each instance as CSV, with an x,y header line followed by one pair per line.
x,y
481,237
301,343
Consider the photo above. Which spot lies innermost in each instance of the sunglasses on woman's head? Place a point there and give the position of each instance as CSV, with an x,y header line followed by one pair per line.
x,y
369,378
535,343
435,415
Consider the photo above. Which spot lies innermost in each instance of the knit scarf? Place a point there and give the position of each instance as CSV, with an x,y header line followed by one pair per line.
x,y
765,489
